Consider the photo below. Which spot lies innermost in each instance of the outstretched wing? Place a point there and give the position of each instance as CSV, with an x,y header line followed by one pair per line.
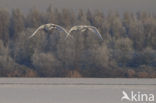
x,y
39,28
62,29
95,30
83,28
72,29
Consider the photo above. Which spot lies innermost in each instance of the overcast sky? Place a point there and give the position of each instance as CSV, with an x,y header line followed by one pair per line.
x,y
119,5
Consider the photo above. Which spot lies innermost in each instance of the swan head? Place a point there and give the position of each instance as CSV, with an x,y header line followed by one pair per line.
x,y
48,27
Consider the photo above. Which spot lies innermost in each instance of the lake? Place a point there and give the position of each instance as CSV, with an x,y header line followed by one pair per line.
x,y
72,90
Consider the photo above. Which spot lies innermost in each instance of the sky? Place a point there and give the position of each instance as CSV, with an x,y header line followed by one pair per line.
x,y
106,5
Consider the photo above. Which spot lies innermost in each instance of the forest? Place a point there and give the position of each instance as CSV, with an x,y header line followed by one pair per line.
x,y
127,51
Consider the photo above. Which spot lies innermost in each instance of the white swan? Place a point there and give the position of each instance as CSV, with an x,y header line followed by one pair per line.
x,y
83,28
48,27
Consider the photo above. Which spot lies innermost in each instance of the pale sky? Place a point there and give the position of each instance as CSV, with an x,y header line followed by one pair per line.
x,y
119,5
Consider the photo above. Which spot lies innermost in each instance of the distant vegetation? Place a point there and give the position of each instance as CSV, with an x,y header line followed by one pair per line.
x,y
128,48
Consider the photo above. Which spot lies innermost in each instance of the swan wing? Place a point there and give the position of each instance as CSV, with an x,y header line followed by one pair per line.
x,y
74,28
95,30
39,28
60,28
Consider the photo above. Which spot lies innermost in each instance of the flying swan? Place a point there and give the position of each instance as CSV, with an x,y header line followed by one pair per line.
x,y
47,27
83,28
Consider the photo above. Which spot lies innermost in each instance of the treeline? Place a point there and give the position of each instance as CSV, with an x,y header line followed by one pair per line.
x,y
128,48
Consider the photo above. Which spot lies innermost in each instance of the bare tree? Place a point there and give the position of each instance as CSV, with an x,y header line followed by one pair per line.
x,y
4,26
17,23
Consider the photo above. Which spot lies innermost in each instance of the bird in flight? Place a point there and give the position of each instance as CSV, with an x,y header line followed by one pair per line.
x,y
83,28
48,27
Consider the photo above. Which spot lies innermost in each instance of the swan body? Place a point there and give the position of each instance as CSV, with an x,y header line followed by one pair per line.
x,y
83,28
48,27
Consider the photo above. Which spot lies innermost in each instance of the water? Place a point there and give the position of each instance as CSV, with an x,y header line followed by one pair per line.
x,y
66,90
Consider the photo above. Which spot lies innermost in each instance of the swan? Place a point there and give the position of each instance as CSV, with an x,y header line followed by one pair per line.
x,y
83,28
47,27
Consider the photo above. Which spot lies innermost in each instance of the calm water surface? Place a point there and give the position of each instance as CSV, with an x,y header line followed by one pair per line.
x,y
66,90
